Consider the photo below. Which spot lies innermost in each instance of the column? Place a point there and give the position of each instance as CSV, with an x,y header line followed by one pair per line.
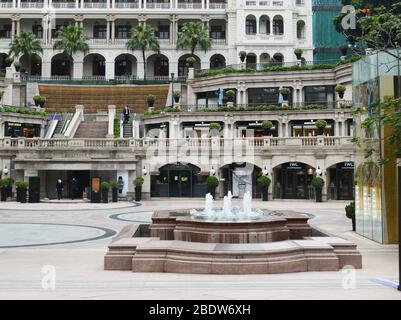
x,y
336,128
107,31
12,29
82,4
18,27
131,190
171,4
14,3
50,31
109,70
46,69
280,129
19,3
203,4
139,68
76,5
113,3
343,128
113,31
1,129
45,27
78,67
171,32
238,96
207,4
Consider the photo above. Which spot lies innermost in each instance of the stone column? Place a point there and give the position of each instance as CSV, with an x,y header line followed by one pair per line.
x,y
139,68
113,31
280,129
171,32
108,31
146,182
78,69
12,29
109,70
131,187
1,129
18,27
336,128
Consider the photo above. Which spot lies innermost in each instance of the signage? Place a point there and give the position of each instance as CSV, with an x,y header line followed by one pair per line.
x,y
294,165
346,165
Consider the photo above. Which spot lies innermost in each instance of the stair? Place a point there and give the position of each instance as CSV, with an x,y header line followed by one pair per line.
x,y
92,129
95,98
127,130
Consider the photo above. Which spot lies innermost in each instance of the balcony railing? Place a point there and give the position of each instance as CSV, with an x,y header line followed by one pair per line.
x,y
32,5
217,5
189,5
64,5
95,5
163,145
157,5
219,41
97,41
126,5
6,4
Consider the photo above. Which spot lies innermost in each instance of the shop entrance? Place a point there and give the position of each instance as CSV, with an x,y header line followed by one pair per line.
x,y
293,181
78,181
341,186
240,178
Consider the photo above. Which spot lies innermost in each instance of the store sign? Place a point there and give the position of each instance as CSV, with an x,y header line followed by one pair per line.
x,y
294,165
346,165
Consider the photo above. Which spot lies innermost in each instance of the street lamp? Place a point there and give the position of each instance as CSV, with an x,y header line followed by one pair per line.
x,y
172,88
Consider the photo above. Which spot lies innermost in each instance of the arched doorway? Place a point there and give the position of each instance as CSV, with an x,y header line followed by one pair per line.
x,y
157,66
61,65
183,65
278,59
340,183
240,178
31,65
125,65
217,61
94,65
265,60
292,181
251,60
178,179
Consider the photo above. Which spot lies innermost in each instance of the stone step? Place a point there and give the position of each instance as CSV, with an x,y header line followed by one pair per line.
x,y
92,129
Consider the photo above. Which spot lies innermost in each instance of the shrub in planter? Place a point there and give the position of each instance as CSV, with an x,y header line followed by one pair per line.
x,y
138,182
344,49
22,187
105,186
318,184
212,183
150,99
340,89
321,125
264,183
17,66
42,101
176,96
36,100
267,125
350,213
114,191
230,94
3,189
214,127
285,93
191,61
298,52
242,55
9,187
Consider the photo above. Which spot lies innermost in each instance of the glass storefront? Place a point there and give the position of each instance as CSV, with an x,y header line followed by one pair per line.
x,y
292,181
308,128
266,96
341,181
26,130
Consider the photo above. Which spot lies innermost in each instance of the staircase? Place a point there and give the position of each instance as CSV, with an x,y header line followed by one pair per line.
x,y
92,129
64,98
127,129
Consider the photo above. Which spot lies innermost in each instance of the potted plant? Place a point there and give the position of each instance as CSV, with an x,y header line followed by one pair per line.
x,y
42,101
105,186
138,182
230,94
350,213
214,128
176,96
17,66
3,190
36,100
22,187
114,191
267,125
264,183
298,52
340,89
242,55
9,187
344,49
321,125
318,184
150,99
285,93
212,183
191,61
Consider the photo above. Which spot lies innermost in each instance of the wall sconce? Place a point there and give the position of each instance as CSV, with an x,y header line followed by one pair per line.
x,y
265,171
144,171
212,171
5,171
319,171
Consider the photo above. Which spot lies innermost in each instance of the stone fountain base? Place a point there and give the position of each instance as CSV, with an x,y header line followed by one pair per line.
x,y
180,244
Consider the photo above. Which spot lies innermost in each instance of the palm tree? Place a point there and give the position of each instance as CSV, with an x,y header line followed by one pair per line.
x,y
143,38
25,44
71,39
192,34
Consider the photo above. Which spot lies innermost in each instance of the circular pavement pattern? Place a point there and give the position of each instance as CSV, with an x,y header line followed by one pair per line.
x,y
144,216
42,234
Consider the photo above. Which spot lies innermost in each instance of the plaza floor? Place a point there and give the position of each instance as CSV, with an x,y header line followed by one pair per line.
x,y
66,242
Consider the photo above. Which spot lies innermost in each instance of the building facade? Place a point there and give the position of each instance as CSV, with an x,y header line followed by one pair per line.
x,y
266,30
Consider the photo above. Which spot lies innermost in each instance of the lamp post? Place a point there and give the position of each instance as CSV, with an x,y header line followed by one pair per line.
x,y
172,88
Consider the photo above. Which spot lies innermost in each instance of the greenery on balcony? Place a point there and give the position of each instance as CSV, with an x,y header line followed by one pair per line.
x,y
22,111
226,70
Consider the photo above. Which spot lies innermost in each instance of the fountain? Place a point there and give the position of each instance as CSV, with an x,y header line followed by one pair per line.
x,y
228,240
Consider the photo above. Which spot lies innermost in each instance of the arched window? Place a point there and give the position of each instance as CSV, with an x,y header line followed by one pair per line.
x,y
278,25
264,25
301,34
217,61
278,59
250,25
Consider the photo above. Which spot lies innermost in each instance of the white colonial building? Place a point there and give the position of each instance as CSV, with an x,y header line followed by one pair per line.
x,y
265,29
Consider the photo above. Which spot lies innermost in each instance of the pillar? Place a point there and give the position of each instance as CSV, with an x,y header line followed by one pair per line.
x,y
1,129
109,70
78,69
336,128
12,29
18,27
139,69
107,31
113,31
130,185
46,69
